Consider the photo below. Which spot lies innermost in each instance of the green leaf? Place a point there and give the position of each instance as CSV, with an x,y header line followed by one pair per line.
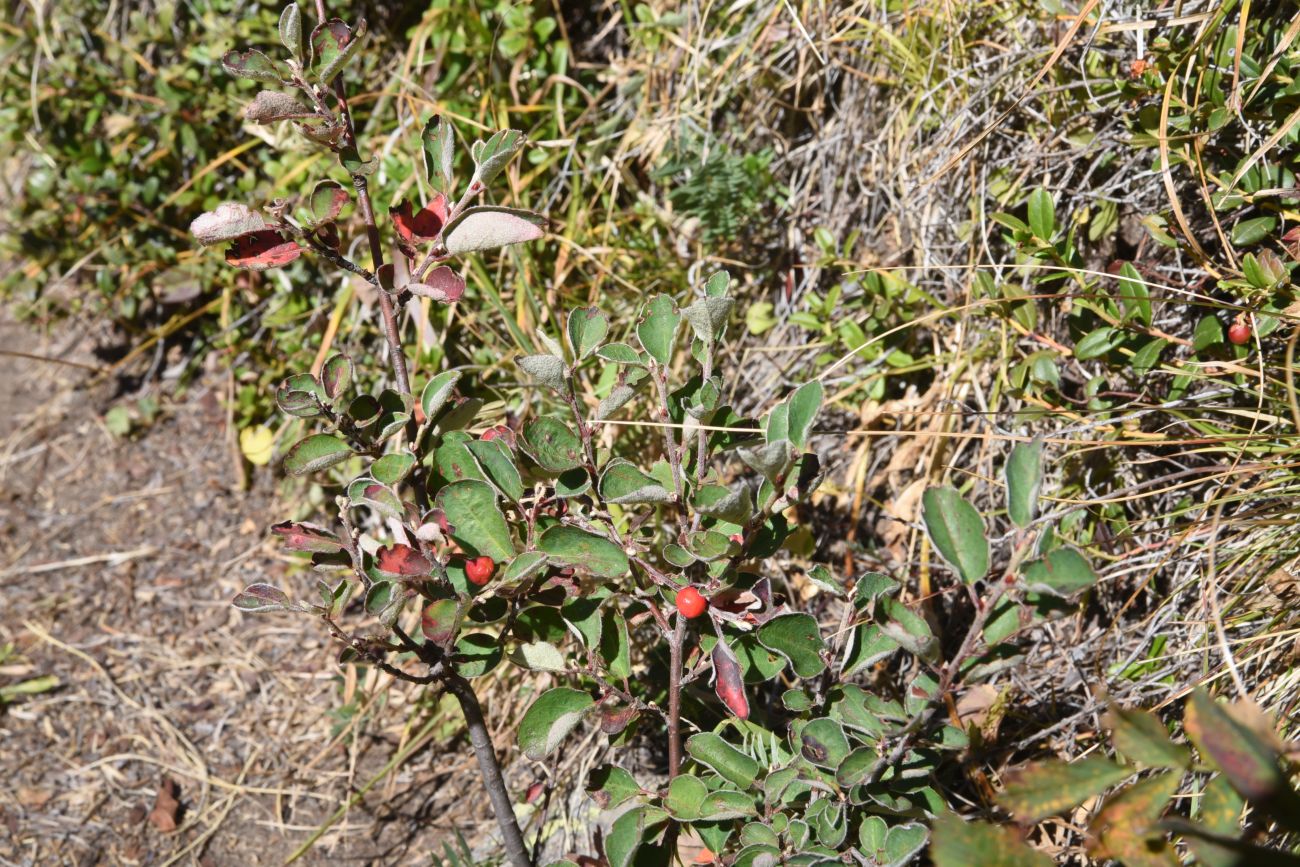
x,y
772,460
657,328
957,532
685,796
438,141
550,718
629,832
1098,342
546,369
797,638
476,522
525,565
734,506
615,645
1063,573
1146,358
854,768
291,31
908,629
1220,807
1024,473
538,656
620,353
958,843
553,444
1042,214
1209,332
708,317
1248,760
759,318
493,155
477,654
487,227
334,45
1044,789
1253,231
495,459
571,546
391,469
1133,294
623,482
261,597
610,785
822,742
255,65
587,327
316,452
1141,737
436,392
804,405
723,759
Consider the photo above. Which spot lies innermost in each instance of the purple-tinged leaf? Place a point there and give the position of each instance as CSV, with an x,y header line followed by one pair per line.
x,y
301,536
442,284
327,201
229,221
255,65
336,375
262,250
419,226
729,682
270,105
261,597
440,622
488,227
402,561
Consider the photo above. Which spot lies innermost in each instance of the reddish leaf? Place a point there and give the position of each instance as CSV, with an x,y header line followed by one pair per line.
x,y
615,718
442,284
728,680
302,536
440,621
423,226
262,250
166,806
402,560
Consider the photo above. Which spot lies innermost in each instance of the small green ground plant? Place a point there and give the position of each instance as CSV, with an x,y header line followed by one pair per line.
x,y
460,544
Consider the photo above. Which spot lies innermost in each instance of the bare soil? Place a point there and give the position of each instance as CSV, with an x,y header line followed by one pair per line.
x,y
182,731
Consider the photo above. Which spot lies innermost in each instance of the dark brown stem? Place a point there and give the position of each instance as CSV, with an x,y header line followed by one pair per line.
x,y
490,769
675,697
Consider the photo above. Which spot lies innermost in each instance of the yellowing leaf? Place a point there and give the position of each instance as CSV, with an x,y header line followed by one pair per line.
x,y
258,444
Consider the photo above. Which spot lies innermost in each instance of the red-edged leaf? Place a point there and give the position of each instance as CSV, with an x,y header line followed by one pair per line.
x,y
261,597
402,561
301,536
262,250
425,225
729,683
442,284
440,621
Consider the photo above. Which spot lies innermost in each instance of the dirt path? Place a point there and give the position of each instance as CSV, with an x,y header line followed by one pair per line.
x,y
118,558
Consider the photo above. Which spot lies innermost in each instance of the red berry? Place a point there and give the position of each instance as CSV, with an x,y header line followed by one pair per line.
x,y
1239,333
690,603
479,570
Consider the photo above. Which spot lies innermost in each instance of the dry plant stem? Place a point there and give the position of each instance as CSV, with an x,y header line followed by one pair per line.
x,y
489,769
675,643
